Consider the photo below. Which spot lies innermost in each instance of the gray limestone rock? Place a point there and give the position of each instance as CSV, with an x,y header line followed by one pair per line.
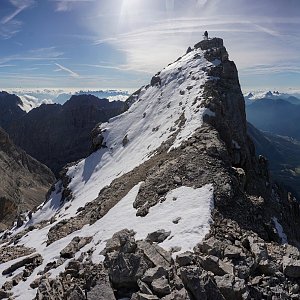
x,y
198,284
144,288
101,291
232,288
291,267
185,259
161,286
214,264
154,273
33,260
157,255
121,241
232,251
181,294
211,246
74,246
4,294
158,236
141,296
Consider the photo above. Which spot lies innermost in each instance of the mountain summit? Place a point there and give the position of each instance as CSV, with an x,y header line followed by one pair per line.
x,y
173,204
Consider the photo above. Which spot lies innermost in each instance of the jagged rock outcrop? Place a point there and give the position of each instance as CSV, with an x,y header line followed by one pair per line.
x,y
24,181
59,134
130,204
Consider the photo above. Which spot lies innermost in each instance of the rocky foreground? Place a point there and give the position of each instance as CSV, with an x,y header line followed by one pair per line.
x,y
250,251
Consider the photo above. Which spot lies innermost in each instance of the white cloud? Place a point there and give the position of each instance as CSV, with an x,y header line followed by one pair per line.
x,y
19,5
39,54
66,5
9,26
63,68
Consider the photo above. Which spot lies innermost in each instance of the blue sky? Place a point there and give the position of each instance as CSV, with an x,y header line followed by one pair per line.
x,y
121,43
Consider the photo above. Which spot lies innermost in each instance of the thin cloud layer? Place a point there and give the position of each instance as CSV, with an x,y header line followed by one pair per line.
x,y
67,5
63,68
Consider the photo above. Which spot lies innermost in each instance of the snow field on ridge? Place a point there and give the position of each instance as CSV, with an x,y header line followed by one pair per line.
x,y
192,207
149,122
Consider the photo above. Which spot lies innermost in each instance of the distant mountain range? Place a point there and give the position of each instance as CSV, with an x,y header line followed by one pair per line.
x,y
277,116
56,134
32,98
283,154
292,97
277,137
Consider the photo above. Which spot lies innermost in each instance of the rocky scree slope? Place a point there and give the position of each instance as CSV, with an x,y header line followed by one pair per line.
x,y
173,204
24,181
59,134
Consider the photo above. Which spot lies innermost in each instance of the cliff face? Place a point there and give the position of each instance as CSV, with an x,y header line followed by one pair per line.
x,y
9,109
24,181
173,205
58,134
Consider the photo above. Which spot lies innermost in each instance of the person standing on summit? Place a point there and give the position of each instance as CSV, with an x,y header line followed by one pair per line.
x,y
205,35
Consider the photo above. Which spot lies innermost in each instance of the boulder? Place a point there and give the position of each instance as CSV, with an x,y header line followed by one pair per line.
x,y
33,260
125,269
157,255
211,246
267,267
141,296
161,286
121,241
198,284
185,259
158,236
155,81
232,288
259,250
232,251
74,246
154,273
182,294
291,267
97,138
214,264
101,291
144,288
4,294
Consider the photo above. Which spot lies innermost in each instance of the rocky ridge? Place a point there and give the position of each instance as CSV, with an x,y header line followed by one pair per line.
x,y
241,255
